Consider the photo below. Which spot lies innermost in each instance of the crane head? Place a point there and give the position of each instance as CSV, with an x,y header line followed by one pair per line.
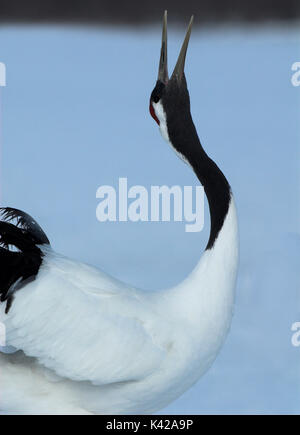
x,y
169,100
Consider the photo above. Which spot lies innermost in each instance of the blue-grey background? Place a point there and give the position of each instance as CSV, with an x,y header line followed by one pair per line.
x,y
75,116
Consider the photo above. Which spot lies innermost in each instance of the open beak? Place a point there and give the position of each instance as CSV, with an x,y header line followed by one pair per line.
x,y
163,63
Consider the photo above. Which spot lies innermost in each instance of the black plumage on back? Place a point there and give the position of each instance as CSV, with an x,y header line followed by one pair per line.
x,y
26,222
20,255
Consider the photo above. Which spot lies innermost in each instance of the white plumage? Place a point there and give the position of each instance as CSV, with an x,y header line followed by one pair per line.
x,y
135,351
86,343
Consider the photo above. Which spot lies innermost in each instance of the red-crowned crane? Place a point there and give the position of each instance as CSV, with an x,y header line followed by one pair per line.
x,y
89,344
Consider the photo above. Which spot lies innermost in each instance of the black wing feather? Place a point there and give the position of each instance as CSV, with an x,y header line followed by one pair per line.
x,y
19,266
26,222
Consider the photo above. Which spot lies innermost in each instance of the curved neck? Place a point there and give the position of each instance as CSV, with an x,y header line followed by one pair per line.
x,y
206,296
185,140
217,190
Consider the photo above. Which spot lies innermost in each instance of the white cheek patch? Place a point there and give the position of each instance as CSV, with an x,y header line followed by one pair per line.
x,y
161,116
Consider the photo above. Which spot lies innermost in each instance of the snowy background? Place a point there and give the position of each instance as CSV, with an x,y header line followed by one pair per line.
x,y
75,116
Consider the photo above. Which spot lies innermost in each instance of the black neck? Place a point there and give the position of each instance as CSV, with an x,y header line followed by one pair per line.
x,y
184,138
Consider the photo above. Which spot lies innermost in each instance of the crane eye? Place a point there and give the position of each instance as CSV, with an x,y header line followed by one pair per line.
x,y
158,91
155,96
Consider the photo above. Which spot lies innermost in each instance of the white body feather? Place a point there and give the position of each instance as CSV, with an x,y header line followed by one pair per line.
x,y
132,351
